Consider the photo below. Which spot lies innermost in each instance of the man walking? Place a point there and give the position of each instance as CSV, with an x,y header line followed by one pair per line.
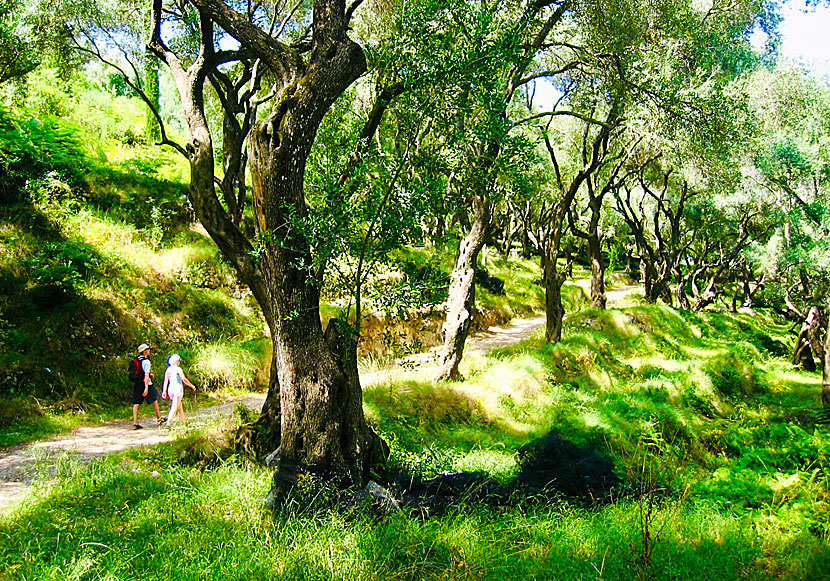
x,y
143,388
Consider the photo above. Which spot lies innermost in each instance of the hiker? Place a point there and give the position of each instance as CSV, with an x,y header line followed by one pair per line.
x,y
173,387
143,388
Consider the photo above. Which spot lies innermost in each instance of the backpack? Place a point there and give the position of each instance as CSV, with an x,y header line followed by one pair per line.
x,y
136,373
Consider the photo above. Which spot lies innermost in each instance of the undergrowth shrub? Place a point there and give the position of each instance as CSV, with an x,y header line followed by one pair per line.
x,y
31,148
58,270
733,375
221,365
212,316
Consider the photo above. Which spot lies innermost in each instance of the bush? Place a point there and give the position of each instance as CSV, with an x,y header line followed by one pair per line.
x,y
732,375
31,149
219,365
57,272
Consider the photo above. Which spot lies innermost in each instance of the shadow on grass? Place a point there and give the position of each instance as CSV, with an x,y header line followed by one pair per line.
x,y
116,520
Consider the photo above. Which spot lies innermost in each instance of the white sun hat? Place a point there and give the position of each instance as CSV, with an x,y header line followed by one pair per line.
x,y
143,347
173,359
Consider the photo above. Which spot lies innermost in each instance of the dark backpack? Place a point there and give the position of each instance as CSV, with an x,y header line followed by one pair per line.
x,y
136,373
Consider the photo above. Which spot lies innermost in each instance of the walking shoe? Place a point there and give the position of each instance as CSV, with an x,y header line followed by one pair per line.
x,y
137,426
162,421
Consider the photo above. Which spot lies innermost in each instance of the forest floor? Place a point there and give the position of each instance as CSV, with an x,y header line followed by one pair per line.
x,y
21,465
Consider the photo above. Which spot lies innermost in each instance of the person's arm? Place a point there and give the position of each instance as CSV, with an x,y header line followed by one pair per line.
x,y
187,381
165,383
146,377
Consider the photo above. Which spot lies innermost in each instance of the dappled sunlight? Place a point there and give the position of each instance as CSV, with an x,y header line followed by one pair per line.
x,y
105,233
220,364
172,261
700,353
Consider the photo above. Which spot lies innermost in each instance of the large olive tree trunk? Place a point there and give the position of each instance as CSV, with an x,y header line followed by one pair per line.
x,y
313,413
322,416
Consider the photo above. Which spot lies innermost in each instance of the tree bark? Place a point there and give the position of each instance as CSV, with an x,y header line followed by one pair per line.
x,y
598,298
807,341
151,83
313,410
825,375
554,309
462,293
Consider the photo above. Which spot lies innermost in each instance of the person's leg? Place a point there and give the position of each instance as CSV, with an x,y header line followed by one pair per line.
x,y
181,410
156,408
173,407
135,414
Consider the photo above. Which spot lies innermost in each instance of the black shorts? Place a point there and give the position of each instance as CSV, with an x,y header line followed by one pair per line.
x,y
138,394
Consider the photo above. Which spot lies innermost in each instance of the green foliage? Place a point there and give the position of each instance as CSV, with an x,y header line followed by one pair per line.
x,y
733,375
417,288
24,420
31,149
17,55
220,365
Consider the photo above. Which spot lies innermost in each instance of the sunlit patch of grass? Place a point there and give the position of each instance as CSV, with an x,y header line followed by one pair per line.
x,y
218,365
497,461
174,260
22,420
109,236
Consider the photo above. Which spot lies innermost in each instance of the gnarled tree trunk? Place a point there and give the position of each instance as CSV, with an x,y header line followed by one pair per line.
x,y
807,341
598,298
313,410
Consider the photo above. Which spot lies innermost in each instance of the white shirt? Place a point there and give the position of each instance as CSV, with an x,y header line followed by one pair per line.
x,y
145,366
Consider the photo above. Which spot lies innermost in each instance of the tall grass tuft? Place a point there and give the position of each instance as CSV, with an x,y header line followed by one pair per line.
x,y
220,365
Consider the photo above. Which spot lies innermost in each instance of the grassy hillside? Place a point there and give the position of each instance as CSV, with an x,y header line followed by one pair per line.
x,y
725,474
713,433
99,252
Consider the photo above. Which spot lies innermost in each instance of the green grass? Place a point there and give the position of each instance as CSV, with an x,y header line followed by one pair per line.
x,y
119,516
22,421
640,384
702,405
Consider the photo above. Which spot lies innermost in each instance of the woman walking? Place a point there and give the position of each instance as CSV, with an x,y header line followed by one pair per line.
x,y
173,386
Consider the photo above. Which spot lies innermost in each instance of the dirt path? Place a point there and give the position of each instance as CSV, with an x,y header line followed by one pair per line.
x,y
22,465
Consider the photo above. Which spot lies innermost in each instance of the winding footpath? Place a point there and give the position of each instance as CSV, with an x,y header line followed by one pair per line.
x,y
22,465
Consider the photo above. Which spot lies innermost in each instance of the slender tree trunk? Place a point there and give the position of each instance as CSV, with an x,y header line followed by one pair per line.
x,y
598,298
647,275
233,184
151,85
554,309
825,384
527,251
462,293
